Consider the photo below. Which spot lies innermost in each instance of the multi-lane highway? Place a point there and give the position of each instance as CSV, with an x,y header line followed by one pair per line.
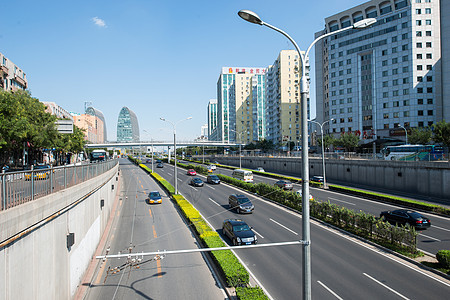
x,y
342,267
430,241
148,228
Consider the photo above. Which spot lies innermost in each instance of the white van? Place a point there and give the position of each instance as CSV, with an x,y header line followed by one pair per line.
x,y
244,175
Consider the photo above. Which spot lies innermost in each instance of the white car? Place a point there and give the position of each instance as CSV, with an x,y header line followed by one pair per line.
x,y
299,192
259,169
213,167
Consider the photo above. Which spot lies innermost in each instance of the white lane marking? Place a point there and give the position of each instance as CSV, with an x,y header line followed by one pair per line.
x,y
257,233
427,236
341,201
211,187
382,284
180,179
283,226
330,290
168,173
193,188
440,228
214,202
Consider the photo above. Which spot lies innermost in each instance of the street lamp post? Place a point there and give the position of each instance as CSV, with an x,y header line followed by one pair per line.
x,y
323,151
252,17
152,146
240,153
406,134
175,147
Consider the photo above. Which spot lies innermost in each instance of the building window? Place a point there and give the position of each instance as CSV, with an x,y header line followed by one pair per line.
x,y
394,60
419,79
394,71
405,58
427,11
385,84
429,78
405,69
395,104
428,33
386,105
349,100
405,80
394,39
384,52
349,61
429,101
429,90
420,90
418,11
418,33
395,82
405,47
404,36
429,67
419,56
394,49
405,92
349,71
427,22
419,67
405,102
386,116
384,63
341,72
429,56
419,101
386,126
396,115
349,80
418,45
430,112
420,112
428,44
406,114
385,94
418,22
395,93
384,73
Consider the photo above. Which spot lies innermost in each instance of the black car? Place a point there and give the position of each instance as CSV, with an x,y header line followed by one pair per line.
x,y
404,216
241,203
214,179
196,181
160,165
317,178
239,232
284,184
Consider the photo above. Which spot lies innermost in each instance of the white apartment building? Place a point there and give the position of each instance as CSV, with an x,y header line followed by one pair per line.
x,y
374,80
12,78
58,111
235,103
282,105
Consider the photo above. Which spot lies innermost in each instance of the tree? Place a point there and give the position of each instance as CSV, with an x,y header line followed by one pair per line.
x,y
328,140
347,140
442,133
421,136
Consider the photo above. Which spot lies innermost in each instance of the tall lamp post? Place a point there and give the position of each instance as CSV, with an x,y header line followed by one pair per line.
x,y
406,133
252,17
240,153
175,147
323,151
152,145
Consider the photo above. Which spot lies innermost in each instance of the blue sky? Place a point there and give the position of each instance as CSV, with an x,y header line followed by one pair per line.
x,y
159,58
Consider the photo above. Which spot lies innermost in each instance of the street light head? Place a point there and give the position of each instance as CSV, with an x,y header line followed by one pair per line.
x,y
364,23
162,119
189,118
332,119
250,16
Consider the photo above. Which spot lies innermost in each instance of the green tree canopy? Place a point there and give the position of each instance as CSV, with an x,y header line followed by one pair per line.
x,y
420,136
347,140
442,133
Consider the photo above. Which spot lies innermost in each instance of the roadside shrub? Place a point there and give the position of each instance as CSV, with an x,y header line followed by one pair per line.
x,y
164,182
443,257
250,293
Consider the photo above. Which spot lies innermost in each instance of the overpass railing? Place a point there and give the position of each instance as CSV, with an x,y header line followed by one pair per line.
x,y
23,186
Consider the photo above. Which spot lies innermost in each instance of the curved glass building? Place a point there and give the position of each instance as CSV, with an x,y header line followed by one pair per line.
x,y
95,112
127,126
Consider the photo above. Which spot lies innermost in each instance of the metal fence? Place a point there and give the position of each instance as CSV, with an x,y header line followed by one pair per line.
x,y
24,186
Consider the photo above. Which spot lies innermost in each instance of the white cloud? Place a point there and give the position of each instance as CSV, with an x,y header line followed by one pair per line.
x,y
99,22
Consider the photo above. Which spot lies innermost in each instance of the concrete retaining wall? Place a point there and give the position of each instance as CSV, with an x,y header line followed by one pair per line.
x,y
38,264
427,179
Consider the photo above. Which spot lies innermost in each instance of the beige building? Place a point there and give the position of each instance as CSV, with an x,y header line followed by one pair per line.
x,y
12,78
58,111
282,105
92,126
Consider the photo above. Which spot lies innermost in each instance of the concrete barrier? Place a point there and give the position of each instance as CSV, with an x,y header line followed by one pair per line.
x,y
426,179
37,257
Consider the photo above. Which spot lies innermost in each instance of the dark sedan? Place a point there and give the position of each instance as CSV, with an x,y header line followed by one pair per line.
x,y
284,184
213,179
404,216
196,182
239,232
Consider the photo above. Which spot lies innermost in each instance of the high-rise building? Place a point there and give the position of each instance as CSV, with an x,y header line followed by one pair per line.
x,y
212,117
12,77
235,103
93,127
127,126
282,106
374,80
258,83
97,113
